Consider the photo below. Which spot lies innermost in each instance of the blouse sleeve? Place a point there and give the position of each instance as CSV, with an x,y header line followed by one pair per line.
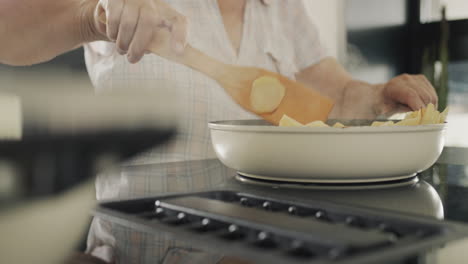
x,y
302,31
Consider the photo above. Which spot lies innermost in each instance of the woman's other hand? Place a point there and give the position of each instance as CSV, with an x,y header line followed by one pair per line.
x,y
412,91
134,24
403,93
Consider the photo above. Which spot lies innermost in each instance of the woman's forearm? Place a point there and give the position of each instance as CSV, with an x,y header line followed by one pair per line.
x,y
329,78
361,100
353,98
34,31
356,99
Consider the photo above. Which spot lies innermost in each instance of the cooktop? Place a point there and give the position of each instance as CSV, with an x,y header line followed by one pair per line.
x,y
417,220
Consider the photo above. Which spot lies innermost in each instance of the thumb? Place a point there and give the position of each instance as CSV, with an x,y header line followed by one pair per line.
x,y
88,28
99,21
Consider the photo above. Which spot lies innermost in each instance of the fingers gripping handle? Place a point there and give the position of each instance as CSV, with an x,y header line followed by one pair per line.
x,y
161,45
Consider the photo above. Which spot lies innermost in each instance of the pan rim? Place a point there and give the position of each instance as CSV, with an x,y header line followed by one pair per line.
x,y
244,126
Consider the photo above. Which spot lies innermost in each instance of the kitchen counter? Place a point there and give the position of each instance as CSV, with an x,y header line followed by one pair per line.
x,y
441,192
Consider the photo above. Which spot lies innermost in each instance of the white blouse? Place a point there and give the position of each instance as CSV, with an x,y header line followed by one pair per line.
x,y
278,35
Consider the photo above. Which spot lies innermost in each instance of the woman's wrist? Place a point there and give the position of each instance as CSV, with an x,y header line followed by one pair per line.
x,y
379,106
359,100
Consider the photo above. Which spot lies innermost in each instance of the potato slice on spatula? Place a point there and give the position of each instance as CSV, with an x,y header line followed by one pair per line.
x,y
267,94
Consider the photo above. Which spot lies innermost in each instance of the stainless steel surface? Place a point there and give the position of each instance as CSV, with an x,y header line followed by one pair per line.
x,y
407,181
438,194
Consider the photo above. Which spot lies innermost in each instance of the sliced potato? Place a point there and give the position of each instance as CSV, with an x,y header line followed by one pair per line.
x,y
317,123
389,123
408,122
266,94
427,115
339,125
443,115
412,119
287,121
377,123
430,115
414,114
382,124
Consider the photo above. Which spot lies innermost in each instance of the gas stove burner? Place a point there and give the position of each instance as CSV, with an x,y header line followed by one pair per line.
x,y
277,184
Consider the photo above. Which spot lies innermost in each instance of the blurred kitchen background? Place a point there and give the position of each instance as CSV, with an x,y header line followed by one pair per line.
x,y
374,39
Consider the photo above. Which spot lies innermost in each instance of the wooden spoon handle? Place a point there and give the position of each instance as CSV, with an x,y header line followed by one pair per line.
x,y
195,59
191,57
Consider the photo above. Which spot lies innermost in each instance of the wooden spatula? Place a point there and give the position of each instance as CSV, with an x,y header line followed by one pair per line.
x,y
299,102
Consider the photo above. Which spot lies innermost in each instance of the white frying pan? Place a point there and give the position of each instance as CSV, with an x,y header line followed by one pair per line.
x,y
327,155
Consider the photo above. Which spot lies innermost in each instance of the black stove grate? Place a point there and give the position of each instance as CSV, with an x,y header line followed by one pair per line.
x,y
275,230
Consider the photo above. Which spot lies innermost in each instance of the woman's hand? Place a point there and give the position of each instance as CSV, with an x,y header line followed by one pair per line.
x,y
35,31
412,91
403,93
134,24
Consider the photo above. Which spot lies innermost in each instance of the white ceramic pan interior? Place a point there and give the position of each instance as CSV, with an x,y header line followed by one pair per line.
x,y
327,155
